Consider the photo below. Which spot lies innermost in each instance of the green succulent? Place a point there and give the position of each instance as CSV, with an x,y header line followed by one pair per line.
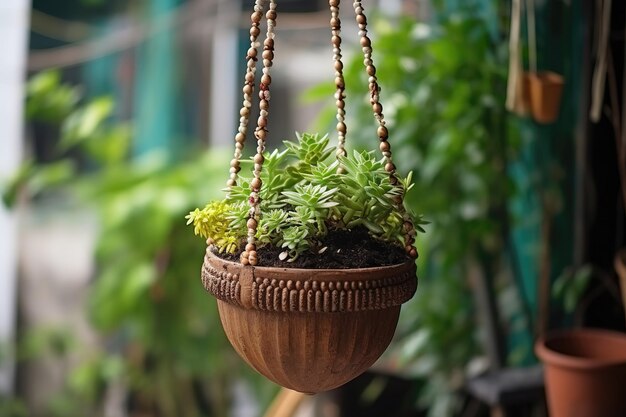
x,y
303,196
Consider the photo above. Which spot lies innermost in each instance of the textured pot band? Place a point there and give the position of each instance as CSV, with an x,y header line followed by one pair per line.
x,y
308,291
249,255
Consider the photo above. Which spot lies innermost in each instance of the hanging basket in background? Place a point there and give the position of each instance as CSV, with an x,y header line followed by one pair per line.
x,y
545,90
533,92
309,330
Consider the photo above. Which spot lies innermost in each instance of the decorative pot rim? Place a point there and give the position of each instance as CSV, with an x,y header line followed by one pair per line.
x,y
546,76
551,356
308,290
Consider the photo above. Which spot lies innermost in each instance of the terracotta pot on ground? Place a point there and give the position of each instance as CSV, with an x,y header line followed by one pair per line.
x,y
545,90
305,329
585,373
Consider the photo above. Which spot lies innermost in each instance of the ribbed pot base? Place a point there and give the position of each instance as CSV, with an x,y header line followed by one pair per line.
x,y
309,352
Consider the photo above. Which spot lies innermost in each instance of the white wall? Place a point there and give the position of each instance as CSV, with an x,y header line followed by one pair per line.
x,y
13,32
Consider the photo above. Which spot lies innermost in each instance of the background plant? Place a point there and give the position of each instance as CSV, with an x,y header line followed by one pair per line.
x,y
146,298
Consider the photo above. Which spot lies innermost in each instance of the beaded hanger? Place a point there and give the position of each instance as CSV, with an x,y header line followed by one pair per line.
x,y
249,255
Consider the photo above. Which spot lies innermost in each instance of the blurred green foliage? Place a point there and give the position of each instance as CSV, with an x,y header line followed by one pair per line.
x,y
443,87
162,331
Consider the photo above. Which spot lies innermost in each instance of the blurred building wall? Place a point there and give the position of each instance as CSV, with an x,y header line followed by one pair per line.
x,y
13,30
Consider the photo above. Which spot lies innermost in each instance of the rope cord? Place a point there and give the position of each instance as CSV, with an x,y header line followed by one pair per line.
x,y
249,255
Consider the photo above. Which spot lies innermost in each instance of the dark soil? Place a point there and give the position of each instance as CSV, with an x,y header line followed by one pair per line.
x,y
345,249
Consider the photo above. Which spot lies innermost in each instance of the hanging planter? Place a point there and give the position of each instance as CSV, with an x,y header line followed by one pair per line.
x,y
309,330
312,256
542,89
545,90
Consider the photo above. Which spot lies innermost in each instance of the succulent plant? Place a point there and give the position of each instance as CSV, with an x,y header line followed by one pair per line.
x,y
305,195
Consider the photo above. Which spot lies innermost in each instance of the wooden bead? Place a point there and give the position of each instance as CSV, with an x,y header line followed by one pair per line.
x,y
361,19
335,23
256,17
256,184
240,137
259,159
383,133
341,127
377,108
252,52
365,42
413,253
264,105
270,15
333,3
267,54
371,70
249,77
261,122
336,40
231,183
251,224
389,167
266,79
247,89
384,146
255,31
244,258
338,66
250,247
260,134
339,82
340,104
268,43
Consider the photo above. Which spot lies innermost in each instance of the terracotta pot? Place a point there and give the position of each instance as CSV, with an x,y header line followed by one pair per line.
x,y
545,95
585,373
305,329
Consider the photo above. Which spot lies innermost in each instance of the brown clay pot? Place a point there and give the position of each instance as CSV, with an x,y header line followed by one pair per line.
x,y
545,90
585,373
305,329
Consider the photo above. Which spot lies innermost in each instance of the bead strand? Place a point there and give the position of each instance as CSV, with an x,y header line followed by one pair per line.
x,y
340,94
248,91
383,133
249,255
